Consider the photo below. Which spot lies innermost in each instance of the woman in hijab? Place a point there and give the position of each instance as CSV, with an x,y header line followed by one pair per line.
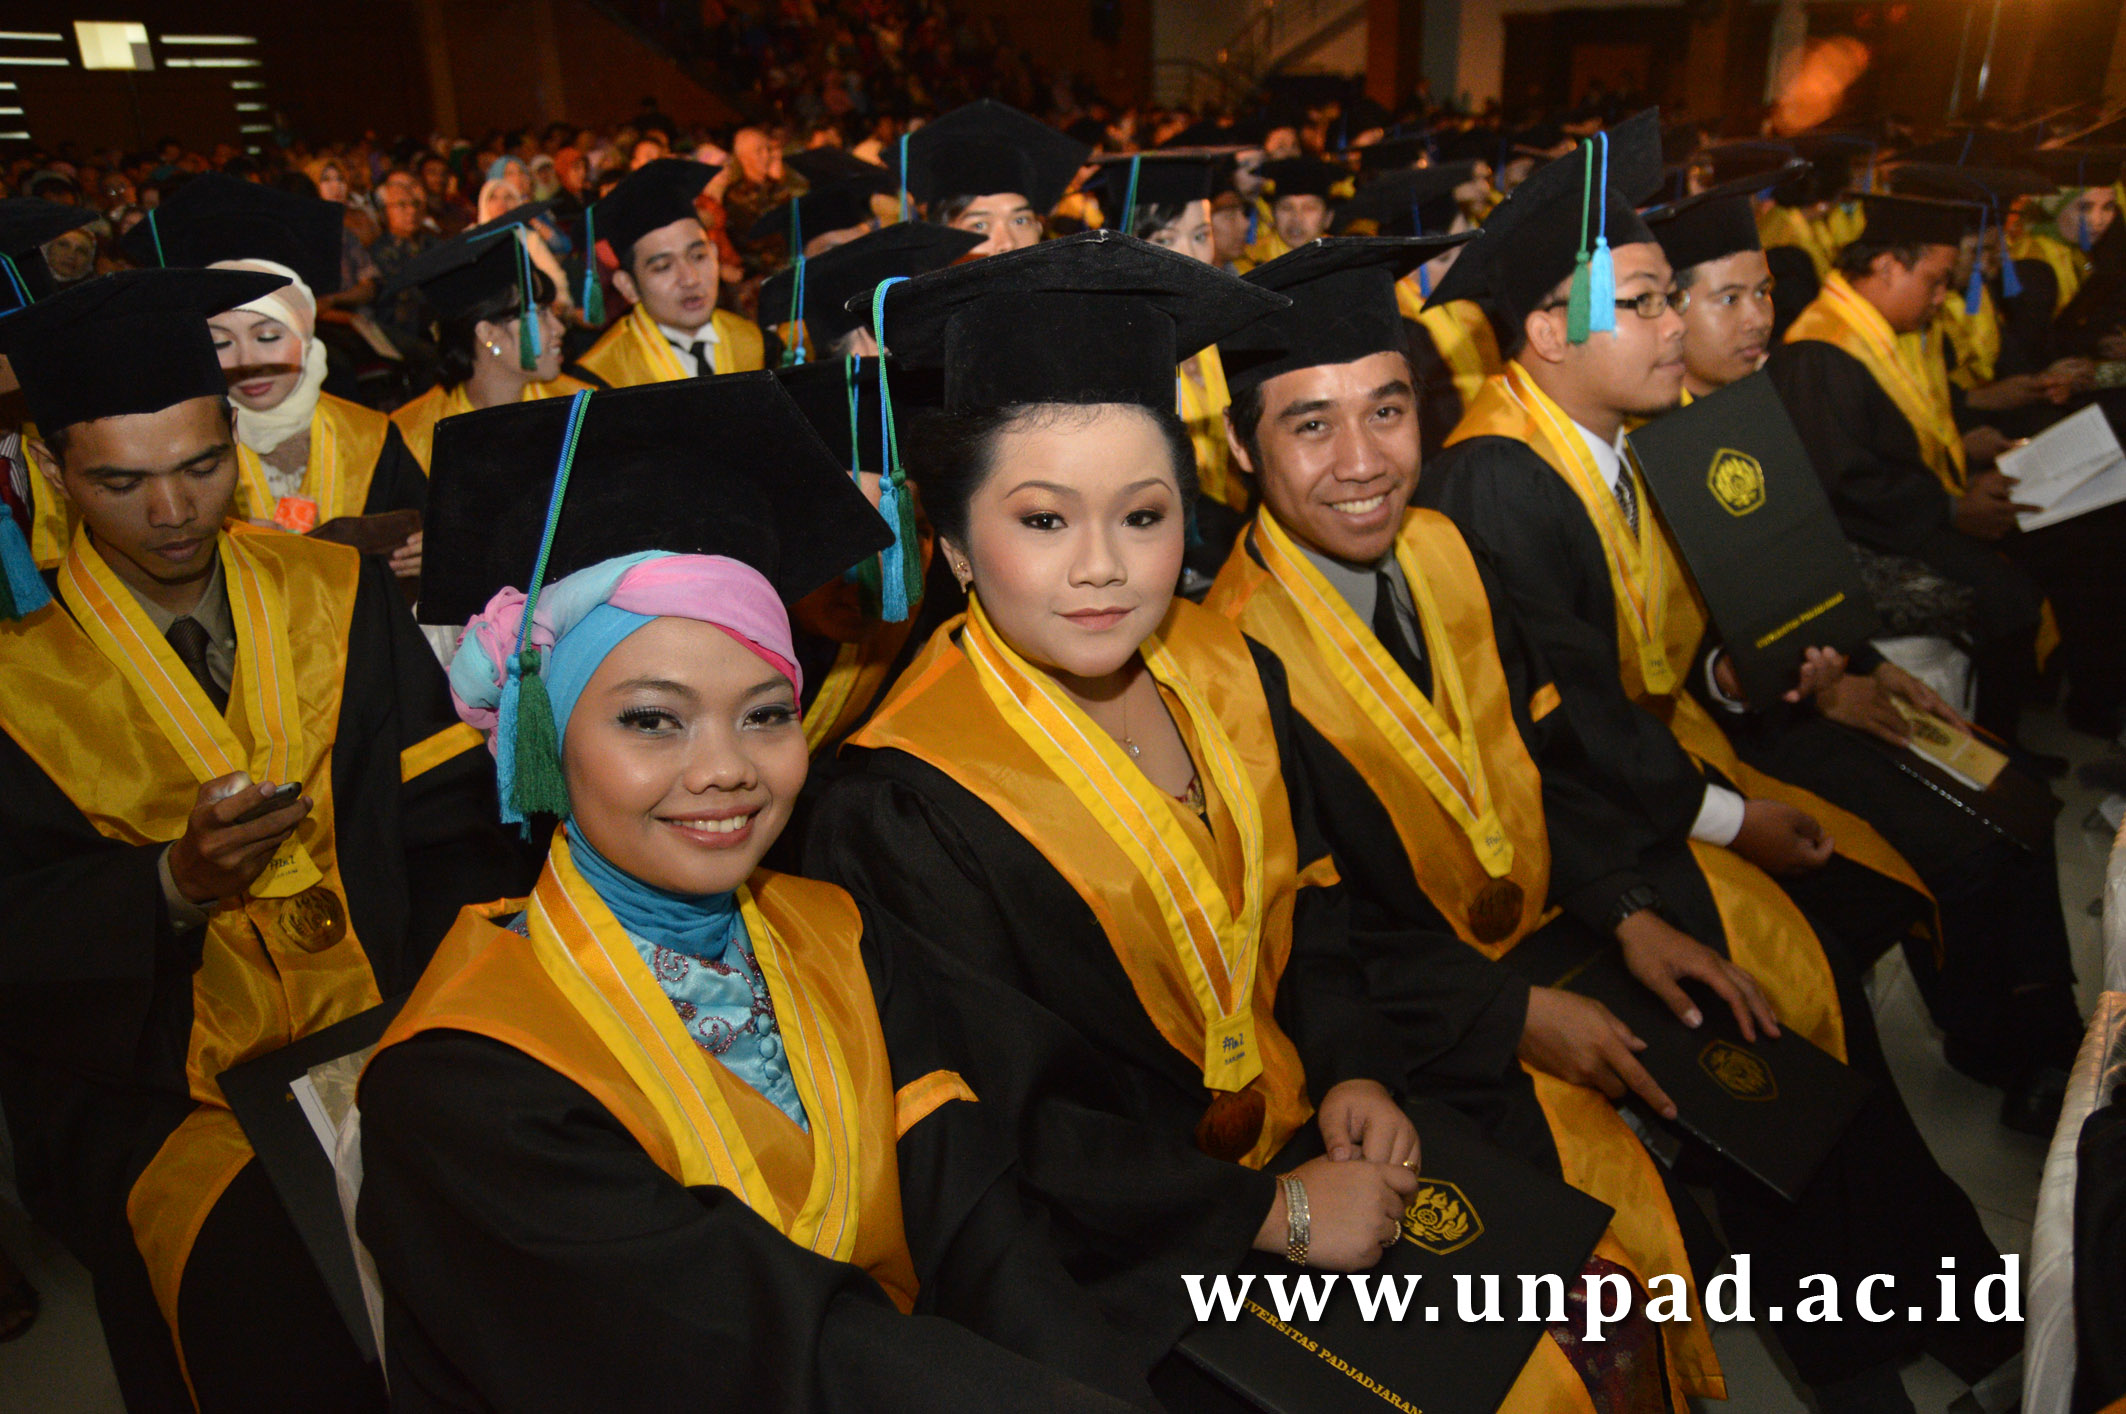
x,y
498,198
304,456
674,1131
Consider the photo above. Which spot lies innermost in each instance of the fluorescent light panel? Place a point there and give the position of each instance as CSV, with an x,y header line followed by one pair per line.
x,y
217,39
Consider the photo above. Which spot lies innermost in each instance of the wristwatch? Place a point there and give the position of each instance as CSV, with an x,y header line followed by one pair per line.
x,y
1295,1219
1636,899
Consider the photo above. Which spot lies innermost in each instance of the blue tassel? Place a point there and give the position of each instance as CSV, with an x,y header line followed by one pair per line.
x,y
893,583
15,283
1255,215
900,568
2011,283
1601,290
506,749
1974,292
26,592
1424,281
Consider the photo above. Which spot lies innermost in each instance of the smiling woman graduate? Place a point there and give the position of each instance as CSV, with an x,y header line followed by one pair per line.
x,y
640,1140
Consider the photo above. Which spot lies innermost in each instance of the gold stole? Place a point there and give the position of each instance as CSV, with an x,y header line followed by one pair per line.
x,y
1787,225
2068,264
1461,333
417,420
52,517
578,998
1352,692
1201,920
98,700
1267,245
635,351
867,649
1914,376
346,440
1975,337
1202,407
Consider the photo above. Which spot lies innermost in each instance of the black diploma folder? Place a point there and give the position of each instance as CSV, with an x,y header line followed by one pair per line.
x,y
261,1093
1774,1106
1477,1211
1739,494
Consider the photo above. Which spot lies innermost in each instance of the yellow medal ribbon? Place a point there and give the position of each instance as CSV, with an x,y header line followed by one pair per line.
x,y
1207,939
590,957
1636,563
1916,378
1446,760
121,631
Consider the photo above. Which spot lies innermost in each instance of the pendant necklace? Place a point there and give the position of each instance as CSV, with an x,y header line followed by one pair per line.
x,y
1131,747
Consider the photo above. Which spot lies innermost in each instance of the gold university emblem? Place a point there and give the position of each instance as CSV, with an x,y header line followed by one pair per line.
x,y
1440,1219
1739,1071
1736,481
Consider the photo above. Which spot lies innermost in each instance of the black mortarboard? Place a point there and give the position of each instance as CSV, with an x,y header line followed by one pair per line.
x,y
1997,187
1912,220
1206,133
1768,162
131,342
830,206
1343,305
651,197
216,217
834,277
1715,223
762,489
27,224
1530,243
1984,147
471,267
1392,154
840,398
1484,145
984,148
2080,166
1305,176
1098,317
1152,179
1419,202
1832,156
821,165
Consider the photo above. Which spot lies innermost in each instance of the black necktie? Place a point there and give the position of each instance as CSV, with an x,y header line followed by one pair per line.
x,y
188,638
1388,628
1628,495
699,352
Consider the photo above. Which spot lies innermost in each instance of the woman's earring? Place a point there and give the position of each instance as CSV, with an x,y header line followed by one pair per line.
x,y
495,349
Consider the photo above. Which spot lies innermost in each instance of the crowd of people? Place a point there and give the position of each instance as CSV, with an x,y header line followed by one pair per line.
x,y
992,711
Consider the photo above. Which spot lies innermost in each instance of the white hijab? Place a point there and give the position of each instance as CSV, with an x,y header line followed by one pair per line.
x,y
293,305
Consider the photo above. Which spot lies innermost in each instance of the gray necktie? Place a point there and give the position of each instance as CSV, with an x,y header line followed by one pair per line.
x,y
1628,495
188,639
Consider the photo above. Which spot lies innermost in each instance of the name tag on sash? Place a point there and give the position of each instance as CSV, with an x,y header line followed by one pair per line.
x,y
1653,666
1230,1060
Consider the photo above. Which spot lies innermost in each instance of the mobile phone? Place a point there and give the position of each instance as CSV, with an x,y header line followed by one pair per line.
x,y
280,795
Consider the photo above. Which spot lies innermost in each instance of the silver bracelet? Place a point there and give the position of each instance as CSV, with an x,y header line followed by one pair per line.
x,y
1295,1219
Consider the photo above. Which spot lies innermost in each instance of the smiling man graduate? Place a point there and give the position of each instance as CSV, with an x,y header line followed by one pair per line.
x,y
165,911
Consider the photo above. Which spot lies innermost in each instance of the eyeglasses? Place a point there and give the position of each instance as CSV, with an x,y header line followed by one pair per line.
x,y
1650,305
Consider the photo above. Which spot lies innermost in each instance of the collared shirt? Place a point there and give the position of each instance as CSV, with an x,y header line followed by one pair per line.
x,y
1361,591
212,613
682,343
1720,812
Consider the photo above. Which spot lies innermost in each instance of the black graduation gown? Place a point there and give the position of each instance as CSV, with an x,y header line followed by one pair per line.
x,y
1439,401
398,483
1052,1032
561,1269
96,984
1880,1203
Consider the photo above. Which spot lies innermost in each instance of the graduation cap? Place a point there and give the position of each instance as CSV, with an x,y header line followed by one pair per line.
x,y
1418,202
840,397
1915,221
27,224
2078,167
1983,147
1306,176
1771,163
1564,221
1468,145
1392,154
1832,155
216,217
822,165
984,148
1992,189
1207,133
818,290
479,265
830,206
1343,305
1715,223
1126,185
1099,317
763,489
131,342
651,197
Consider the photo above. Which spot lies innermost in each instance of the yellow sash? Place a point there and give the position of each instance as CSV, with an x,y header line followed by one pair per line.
x,y
81,686
1171,897
52,517
853,682
346,439
635,351
1913,375
1787,225
1462,334
578,999
1975,337
2068,264
1202,406
417,420
1450,773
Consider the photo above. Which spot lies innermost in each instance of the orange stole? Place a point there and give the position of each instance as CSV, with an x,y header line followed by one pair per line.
x,y
86,726
939,712
487,980
417,420
1598,1152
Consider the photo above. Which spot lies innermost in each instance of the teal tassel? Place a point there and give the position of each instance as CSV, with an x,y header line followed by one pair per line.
x,y
1576,305
900,567
22,587
593,287
16,286
537,786
529,341
505,740
1601,290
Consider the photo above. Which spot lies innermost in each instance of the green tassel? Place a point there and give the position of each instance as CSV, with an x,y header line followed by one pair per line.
x,y
540,788
911,561
1579,305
